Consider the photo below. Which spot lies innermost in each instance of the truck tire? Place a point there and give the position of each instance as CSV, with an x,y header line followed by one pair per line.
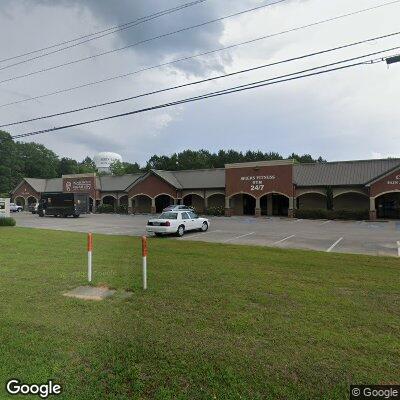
x,y
76,215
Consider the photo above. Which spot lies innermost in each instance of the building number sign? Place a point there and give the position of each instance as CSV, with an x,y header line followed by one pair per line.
x,y
257,183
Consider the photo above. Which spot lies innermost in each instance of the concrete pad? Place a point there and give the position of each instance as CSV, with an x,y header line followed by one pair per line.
x,y
90,293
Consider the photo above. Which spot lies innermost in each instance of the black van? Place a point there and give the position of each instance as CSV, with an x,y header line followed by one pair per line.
x,y
63,204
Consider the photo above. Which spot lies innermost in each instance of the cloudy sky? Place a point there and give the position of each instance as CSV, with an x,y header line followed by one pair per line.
x,y
350,114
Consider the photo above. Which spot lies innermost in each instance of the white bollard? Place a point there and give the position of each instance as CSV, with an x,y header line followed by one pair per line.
x,y
144,255
90,249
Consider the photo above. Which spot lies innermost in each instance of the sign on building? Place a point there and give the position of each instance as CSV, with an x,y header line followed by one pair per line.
x,y
4,208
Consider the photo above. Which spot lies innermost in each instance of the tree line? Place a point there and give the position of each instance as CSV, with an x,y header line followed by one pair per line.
x,y
33,160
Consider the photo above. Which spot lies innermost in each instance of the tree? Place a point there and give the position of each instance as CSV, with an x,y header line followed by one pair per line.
x,y
10,163
87,166
38,161
68,166
117,168
131,168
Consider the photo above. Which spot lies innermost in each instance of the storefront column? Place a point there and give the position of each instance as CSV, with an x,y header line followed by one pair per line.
x,y
205,203
291,207
153,205
228,211
269,205
176,202
372,209
258,208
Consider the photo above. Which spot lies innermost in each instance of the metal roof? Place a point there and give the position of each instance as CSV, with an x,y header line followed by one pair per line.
x,y
37,184
169,177
109,183
341,172
54,185
201,178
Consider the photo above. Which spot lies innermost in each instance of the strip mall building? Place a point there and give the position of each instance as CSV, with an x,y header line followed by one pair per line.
x,y
255,188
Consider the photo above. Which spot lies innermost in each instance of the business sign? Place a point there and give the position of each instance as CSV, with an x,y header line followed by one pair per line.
x,y
257,182
79,185
386,184
395,181
4,208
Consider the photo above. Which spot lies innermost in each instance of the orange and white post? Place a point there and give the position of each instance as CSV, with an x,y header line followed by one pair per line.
x,y
144,255
89,250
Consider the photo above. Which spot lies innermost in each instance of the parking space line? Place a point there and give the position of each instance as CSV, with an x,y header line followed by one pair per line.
x,y
334,245
238,237
284,239
198,234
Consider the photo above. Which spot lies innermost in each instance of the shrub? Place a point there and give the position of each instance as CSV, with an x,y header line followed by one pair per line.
x,y
332,214
216,211
7,221
122,209
105,209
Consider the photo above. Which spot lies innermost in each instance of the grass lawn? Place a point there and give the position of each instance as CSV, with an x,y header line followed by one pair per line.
x,y
217,322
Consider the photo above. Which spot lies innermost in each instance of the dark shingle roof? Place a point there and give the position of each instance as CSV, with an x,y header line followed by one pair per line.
x,y
341,172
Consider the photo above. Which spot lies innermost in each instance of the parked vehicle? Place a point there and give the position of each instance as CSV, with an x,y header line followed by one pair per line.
x,y
63,204
33,207
15,207
177,222
179,207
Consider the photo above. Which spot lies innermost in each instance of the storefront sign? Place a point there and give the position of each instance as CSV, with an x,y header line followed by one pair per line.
x,y
257,182
394,182
79,185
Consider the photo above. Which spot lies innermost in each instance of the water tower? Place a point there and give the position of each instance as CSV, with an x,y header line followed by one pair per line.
x,y
104,160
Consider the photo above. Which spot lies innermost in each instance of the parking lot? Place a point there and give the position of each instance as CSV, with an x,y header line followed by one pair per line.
x,y
363,237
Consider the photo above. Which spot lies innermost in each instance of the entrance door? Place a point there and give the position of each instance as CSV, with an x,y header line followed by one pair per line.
x,y
162,202
388,207
249,205
280,205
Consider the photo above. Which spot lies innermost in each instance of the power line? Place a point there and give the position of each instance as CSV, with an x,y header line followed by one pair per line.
x,y
142,42
103,33
210,79
338,17
235,89
129,25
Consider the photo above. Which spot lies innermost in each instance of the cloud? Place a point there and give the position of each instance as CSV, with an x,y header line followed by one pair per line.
x,y
343,115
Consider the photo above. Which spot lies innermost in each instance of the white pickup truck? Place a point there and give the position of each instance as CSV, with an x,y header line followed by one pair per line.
x,y
15,208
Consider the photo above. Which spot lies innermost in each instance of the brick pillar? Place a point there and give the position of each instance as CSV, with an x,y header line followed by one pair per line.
x,y
228,211
258,208
153,206
269,205
291,207
372,210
